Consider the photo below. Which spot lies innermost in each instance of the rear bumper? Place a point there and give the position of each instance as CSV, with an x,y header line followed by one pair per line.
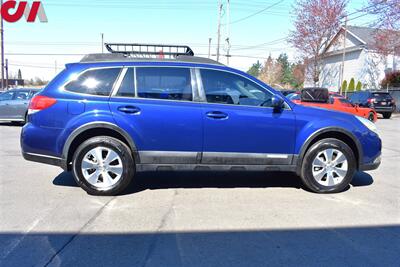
x,y
45,159
384,109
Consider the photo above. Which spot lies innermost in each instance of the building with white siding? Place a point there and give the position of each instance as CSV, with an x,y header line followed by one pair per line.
x,y
362,61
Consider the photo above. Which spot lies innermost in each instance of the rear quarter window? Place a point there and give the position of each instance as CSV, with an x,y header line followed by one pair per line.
x,y
94,82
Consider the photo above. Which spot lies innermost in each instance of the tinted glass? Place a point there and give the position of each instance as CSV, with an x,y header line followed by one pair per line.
x,y
127,88
382,96
164,83
21,95
228,88
95,82
7,96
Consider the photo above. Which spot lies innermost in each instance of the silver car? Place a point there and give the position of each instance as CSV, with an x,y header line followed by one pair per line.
x,y
14,104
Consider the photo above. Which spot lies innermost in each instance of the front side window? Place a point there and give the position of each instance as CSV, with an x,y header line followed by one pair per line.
x,y
94,82
228,88
164,83
22,95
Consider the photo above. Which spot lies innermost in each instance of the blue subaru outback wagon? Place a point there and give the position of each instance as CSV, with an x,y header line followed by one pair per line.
x,y
112,115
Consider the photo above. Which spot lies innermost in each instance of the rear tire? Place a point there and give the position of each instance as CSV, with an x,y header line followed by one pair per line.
x,y
328,166
387,115
103,166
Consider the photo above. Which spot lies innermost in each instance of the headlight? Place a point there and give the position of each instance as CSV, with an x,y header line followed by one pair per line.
x,y
369,124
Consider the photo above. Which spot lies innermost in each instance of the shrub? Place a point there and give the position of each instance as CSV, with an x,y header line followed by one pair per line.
x,y
359,86
392,79
344,86
351,85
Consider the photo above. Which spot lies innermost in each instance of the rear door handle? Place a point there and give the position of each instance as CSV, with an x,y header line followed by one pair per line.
x,y
129,109
218,115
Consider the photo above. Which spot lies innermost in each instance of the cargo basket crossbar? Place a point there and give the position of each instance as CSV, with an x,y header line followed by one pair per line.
x,y
149,50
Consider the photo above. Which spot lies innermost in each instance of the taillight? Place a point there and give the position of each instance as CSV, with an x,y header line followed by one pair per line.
x,y
39,103
371,100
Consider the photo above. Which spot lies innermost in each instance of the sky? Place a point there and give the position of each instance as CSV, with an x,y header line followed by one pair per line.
x,y
74,28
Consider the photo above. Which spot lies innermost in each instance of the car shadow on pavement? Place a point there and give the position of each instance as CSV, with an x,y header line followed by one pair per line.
x,y
331,246
11,124
165,180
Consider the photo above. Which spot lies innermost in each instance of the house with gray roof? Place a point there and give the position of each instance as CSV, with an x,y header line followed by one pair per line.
x,y
362,61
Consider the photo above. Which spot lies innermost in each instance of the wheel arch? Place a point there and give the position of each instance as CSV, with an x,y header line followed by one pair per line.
x,y
93,129
331,132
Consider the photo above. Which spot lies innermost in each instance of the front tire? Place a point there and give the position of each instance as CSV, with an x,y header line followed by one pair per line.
x,y
103,166
328,166
371,117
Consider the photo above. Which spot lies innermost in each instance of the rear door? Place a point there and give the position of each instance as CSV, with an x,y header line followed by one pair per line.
x,y
158,111
240,127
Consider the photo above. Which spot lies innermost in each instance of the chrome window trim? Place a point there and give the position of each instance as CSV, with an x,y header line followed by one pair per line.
x,y
62,87
43,156
118,82
287,106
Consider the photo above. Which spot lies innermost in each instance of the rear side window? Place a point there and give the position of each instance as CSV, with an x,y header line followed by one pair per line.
x,y
164,83
7,96
94,82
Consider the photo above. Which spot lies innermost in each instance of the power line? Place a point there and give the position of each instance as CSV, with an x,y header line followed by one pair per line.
x,y
256,13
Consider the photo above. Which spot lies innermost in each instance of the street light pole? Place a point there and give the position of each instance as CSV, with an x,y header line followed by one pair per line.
x,y
344,57
209,47
2,48
220,5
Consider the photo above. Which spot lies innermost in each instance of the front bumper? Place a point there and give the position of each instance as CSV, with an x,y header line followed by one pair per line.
x,y
371,166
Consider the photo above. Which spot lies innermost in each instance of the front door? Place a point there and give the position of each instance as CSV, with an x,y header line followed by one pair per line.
x,y
240,127
6,109
160,114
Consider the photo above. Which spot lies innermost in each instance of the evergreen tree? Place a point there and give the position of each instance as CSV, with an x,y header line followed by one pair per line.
x,y
19,75
359,86
255,69
344,86
351,85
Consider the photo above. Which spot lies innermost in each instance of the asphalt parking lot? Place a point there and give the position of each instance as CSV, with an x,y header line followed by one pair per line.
x,y
198,219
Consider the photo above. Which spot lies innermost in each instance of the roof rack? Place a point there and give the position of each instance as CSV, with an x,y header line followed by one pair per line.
x,y
149,50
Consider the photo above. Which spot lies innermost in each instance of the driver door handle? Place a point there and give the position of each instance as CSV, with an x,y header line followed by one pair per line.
x,y
217,115
129,109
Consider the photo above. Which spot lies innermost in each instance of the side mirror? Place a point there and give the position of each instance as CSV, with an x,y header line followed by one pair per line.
x,y
277,102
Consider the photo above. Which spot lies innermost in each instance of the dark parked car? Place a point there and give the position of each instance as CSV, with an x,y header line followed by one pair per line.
x,y
14,104
381,102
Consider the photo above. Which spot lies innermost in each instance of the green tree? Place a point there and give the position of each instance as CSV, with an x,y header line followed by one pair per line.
x,y
255,69
19,75
351,85
287,77
344,86
359,86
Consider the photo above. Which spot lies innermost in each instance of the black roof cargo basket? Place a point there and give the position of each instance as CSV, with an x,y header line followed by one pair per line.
x,y
149,50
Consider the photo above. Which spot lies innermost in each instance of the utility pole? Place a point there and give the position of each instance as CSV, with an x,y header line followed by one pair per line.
x,y
6,74
55,67
344,57
102,43
220,6
228,38
2,48
209,47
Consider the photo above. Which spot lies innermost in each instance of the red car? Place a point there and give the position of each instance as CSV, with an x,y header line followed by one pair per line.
x,y
335,102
